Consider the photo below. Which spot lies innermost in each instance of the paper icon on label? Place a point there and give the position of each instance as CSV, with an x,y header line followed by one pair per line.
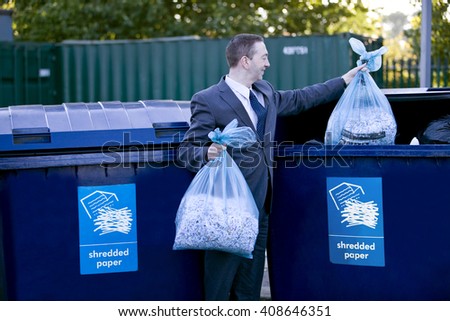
x,y
102,208
344,192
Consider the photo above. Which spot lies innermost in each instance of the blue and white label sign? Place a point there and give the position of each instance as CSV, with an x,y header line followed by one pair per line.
x,y
355,220
107,228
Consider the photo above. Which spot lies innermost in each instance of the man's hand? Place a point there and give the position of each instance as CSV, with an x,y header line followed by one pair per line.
x,y
348,77
215,150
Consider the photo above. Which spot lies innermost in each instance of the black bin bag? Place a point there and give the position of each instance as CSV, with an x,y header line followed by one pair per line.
x,y
437,132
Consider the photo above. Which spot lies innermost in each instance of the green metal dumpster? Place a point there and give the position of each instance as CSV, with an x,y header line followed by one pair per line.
x,y
88,198
362,222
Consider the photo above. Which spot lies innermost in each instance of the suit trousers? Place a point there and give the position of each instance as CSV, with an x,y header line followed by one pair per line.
x,y
231,277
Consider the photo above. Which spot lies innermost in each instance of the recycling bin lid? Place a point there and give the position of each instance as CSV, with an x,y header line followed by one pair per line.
x,y
92,125
421,93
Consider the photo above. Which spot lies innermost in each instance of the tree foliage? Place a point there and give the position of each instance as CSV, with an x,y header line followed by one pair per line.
x,y
58,20
395,38
440,30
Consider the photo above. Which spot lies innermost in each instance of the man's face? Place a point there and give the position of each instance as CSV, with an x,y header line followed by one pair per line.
x,y
259,62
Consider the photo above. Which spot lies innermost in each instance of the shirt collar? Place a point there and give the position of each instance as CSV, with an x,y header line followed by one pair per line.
x,y
238,87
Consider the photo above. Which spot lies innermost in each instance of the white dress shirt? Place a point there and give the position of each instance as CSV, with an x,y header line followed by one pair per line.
x,y
243,94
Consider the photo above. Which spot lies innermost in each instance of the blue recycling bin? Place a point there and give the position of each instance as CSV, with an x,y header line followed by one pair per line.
x,y
88,198
362,222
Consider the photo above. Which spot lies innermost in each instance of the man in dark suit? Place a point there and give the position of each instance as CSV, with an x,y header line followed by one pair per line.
x,y
228,276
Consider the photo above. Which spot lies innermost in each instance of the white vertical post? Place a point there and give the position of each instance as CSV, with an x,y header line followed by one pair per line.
x,y
425,45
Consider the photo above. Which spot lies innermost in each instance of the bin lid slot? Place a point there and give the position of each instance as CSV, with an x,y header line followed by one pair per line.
x,y
167,129
31,135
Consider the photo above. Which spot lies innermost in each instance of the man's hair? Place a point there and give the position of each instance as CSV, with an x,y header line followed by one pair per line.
x,y
241,45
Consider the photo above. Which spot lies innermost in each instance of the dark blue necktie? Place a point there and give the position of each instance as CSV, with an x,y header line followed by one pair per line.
x,y
261,112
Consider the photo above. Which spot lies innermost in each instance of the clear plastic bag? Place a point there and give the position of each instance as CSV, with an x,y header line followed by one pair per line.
x,y
363,115
218,211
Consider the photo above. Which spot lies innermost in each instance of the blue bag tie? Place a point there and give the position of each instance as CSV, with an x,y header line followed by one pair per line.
x,y
372,58
233,136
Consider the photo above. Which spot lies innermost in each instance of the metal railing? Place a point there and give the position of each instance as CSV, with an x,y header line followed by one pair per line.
x,y
406,74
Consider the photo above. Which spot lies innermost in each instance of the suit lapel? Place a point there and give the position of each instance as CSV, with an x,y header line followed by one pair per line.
x,y
231,100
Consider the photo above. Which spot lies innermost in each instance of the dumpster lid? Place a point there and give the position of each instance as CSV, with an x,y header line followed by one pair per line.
x,y
92,125
419,93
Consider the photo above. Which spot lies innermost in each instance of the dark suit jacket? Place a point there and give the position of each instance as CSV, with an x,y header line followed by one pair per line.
x,y
217,105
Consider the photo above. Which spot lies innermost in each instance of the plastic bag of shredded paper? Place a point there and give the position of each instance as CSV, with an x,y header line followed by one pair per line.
x,y
363,115
218,211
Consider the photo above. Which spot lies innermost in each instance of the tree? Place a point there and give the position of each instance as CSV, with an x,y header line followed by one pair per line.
x,y
58,20
395,22
394,37
55,21
320,17
440,31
